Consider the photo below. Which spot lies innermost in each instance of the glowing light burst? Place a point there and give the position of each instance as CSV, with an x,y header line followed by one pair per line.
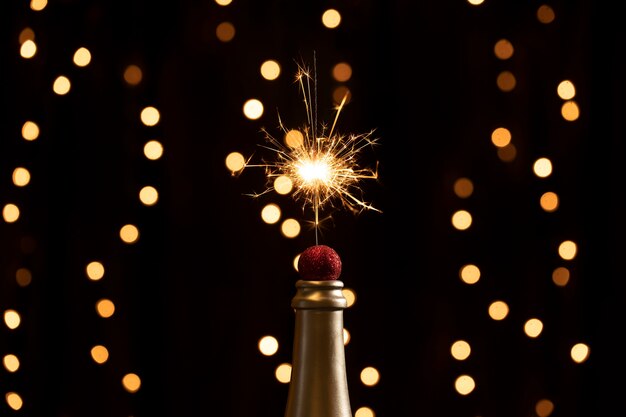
x,y
322,164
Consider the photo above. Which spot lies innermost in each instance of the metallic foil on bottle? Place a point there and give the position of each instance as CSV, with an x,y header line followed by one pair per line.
x,y
318,387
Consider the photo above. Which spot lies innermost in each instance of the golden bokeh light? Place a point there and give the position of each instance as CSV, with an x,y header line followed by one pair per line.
x,y
38,5
542,167
105,308
10,213
461,220
12,319
460,350
346,336
463,187
94,270
61,85
364,412
503,49
223,2
342,72
507,153
235,162
469,274
370,376
271,213
533,327
579,352
498,310
30,131
129,233
270,70
544,408
349,295
21,176
11,362
464,384
153,150
545,14
501,137
568,250
28,49
290,228
253,109
506,81
331,18
225,31
133,74
26,34
23,277
283,184
560,276
566,90
14,400
549,201
82,57
283,373
294,138
100,354
268,345
570,111
131,382
150,116
340,93
148,195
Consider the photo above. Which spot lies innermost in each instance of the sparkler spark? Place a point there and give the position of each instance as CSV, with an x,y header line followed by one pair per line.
x,y
321,164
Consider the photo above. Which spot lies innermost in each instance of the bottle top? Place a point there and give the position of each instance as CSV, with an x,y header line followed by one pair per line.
x,y
319,263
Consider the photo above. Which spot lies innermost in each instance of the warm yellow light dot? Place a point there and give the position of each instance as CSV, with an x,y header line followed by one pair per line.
x,y
133,74
349,295
23,276
235,162
131,382
290,228
129,233
268,345
283,184
464,384
503,49
579,352
542,167
364,412
14,400
370,376
225,31
498,310
506,81
295,262
153,150
11,362
12,319
21,176
26,34
560,276
105,308
469,274
283,373
346,337
545,14
566,90
10,213
149,195
460,350
544,408
99,354
270,69
507,153
294,138
253,109
463,187
549,201
150,116
94,270
501,137
30,131
331,18
461,220
82,57
38,5
533,327
270,213
61,85
223,2
570,111
28,49
568,250
342,72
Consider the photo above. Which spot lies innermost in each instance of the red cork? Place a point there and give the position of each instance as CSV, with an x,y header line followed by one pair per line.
x,y
319,263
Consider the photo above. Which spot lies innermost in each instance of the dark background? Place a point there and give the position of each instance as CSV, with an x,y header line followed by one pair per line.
x,y
208,278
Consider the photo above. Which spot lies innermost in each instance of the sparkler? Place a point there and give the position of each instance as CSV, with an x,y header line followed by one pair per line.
x,y
321,164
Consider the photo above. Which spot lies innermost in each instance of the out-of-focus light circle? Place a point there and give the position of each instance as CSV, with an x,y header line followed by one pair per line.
x,y
253,109
82,57
464,384
26,34
294,138
270,69
560,276
290,228
283,373
12,319
150,116
579,352
507,153
153,150
61,85
268,345
544,408
14,400
148,195
30,130
21,176
542,167
105,308
283,184
503,49
570,111
342,72
223,2
568,250
94,270
28,49
131,382
533,327
346,336
38,5
566,90
545,14
331,18
370,376
461,220
11,362
235,162
549,201
225,31
23,276
129,233
463,187
498,310
475,2
340,94
460,350
133,74
506,81
270,213
99,354
10,213
469,274
349,295
501,137
364,412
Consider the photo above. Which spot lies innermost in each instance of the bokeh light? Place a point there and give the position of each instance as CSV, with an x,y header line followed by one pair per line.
x,y
82,57
580,352
270,69
498,310
131,382
270,213
150,116
469,274
568,250
464,384
225,31
542,167
94,270
461,220
153,150
253,109
460,350
268,345
129,233
331,18
533,327
290,228
370,376
61,85
283,373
